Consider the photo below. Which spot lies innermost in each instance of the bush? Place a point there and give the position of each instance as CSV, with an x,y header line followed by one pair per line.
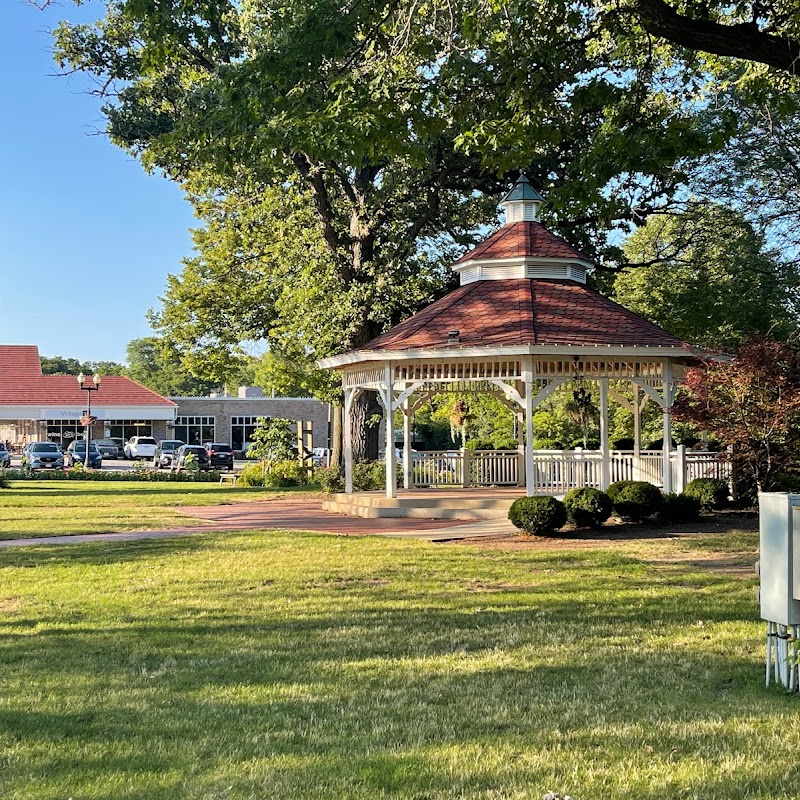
x,y
622,444
679,508
711,493
283,473
542,516
587,507
635,500
547,444
368,476
145,476
3,479
330,479
251,475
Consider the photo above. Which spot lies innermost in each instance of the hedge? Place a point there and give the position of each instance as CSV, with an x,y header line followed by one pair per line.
x,y
144,476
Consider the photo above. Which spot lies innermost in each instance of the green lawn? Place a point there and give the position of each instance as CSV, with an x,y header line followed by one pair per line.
x,y
288,665
55,508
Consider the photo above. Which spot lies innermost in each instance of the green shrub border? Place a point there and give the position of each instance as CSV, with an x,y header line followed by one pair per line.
x,y
141,476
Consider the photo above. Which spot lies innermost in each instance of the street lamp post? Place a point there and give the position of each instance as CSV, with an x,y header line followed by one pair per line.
x,y
88,388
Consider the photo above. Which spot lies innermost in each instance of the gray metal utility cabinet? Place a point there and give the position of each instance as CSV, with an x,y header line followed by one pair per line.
x,y
779,593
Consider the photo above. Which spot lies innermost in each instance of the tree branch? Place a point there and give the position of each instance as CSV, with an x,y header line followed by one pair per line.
x,y
744,40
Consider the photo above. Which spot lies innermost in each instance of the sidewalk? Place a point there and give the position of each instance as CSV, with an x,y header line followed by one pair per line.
x,y
300,515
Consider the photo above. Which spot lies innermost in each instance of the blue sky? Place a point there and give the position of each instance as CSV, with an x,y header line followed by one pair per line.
x,y
87,238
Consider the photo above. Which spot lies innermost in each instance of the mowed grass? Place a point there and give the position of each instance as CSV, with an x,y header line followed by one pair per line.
x,y
57,508
290,665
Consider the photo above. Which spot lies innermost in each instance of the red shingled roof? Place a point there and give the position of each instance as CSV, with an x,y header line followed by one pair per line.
x,y
523,239
524,312
22,383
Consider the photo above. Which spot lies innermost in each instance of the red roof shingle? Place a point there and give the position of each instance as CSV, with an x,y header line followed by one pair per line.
x,y
523,239
524,312
22,383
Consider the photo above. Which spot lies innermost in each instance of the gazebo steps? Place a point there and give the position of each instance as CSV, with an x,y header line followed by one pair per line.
x,y
373,506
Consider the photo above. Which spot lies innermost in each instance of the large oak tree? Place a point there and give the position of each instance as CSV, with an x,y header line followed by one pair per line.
x,y
393,122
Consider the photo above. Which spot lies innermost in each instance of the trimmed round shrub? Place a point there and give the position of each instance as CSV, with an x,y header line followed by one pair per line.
x,y
635,500
542,516
711,493
679,508
3,480
587,507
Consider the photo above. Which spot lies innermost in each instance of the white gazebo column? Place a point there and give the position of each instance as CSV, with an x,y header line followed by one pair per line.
x,y
391,459
407,460
605,452
666,443
347,440
527,377
637,433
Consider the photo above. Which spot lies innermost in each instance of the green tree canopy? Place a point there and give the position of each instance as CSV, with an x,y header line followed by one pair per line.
x,y
706,277
59,365
379,135
154,364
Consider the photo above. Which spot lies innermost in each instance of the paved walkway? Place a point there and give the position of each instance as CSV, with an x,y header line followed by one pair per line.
x,y
303,515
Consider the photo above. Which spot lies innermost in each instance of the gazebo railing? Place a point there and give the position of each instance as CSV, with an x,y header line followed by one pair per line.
x,y
559,471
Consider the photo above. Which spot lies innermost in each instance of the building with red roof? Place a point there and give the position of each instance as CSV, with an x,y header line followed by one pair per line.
x,y
36,407
522,325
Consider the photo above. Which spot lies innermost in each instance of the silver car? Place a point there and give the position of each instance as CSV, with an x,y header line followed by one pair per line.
x,y
42,455
5,456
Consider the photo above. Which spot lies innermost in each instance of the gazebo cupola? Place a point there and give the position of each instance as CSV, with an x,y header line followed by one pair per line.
x,y
522,247
522,202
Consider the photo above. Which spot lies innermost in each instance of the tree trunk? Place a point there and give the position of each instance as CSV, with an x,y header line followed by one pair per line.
x,y
336,435
365,419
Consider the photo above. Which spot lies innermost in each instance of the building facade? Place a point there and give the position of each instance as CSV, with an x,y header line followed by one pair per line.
x,y
37,407
233,419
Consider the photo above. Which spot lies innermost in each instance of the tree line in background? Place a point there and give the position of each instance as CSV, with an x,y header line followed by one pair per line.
x,y
341,156
153,363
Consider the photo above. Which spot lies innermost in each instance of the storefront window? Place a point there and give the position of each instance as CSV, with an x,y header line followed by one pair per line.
x,y
127,428
64,431
195,430
242,429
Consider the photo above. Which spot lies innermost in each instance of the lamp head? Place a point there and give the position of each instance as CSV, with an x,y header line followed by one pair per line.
x,y
81,379
96,379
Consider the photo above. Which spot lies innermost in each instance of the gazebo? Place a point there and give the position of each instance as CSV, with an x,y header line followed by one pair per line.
x,y
522,325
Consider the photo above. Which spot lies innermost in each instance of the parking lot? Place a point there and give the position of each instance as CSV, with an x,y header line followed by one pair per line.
x,y
123,465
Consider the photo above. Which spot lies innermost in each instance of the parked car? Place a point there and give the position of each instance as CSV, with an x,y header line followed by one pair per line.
x,y
120,443
76,452
322,456
107,447
5,456
42,455
219,455
139,447
165,452
179,459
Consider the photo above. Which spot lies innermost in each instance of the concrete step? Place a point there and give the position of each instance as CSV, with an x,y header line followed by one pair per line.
x,y
449,509
381,501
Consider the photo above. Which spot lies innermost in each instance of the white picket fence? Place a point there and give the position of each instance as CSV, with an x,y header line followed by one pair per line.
x,y
558,471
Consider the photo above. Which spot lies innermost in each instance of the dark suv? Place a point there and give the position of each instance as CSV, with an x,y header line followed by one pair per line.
x,y
199,453
220,455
